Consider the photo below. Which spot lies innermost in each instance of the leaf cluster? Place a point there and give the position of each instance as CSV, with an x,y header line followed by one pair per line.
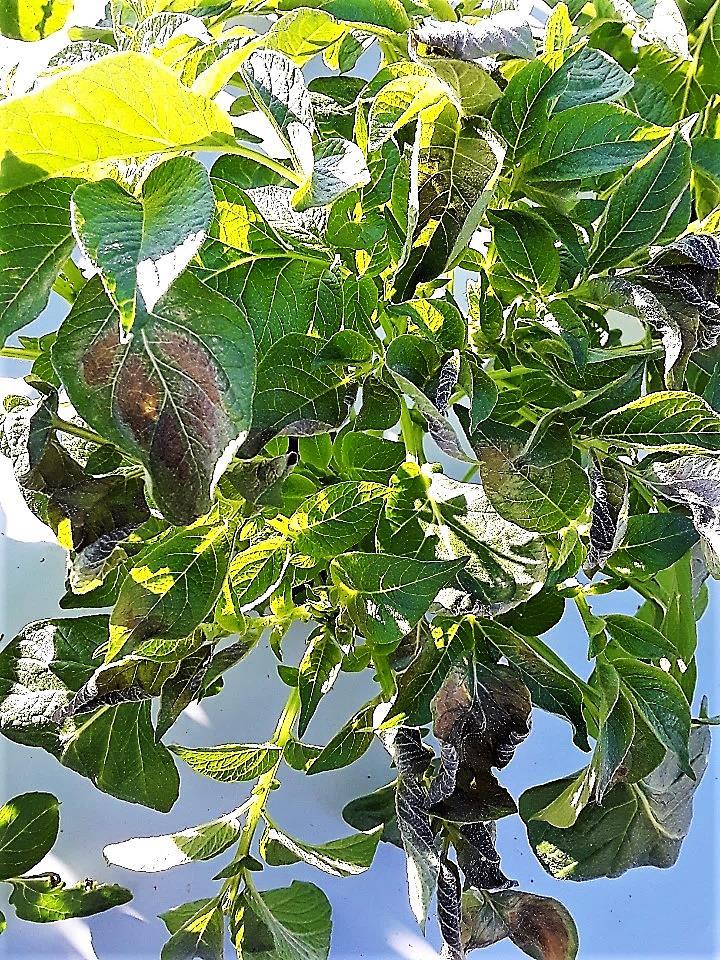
x,y
411,358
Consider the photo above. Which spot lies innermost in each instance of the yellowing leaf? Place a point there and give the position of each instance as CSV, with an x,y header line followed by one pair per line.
x,y
125,105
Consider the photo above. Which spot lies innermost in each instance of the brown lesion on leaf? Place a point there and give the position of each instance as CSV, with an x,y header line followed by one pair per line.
x,y
537,926
138,400
98,363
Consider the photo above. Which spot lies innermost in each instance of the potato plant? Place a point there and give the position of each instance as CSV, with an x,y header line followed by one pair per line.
x,y
394,322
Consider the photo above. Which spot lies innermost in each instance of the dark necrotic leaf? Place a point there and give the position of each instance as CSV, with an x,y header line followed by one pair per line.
x,y
177,395
610,507
694,482
540,926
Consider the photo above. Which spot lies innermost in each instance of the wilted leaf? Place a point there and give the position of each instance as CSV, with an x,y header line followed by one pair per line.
x,y
540,926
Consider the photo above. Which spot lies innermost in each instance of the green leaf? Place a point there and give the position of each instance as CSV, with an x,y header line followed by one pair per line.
x,y
373,810
402,100
642,824
542,498
317,673
299,390
381,13
45,899
32,20
539,926
522,113
638,638
173,588
339,167
591,140
336,518
653,542
435,517
386,596
254,574
277,88
230,762
455,167
141,245
136,108
588,76
152,854
116,749
30,261
345,857
673,421
177,396
645,204
298,918
29,825
351,741
197,930
526,245
660,701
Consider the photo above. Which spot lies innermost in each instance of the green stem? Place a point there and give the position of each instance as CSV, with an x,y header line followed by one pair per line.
x,y
261,791
19,353
413,448
75,430
265,161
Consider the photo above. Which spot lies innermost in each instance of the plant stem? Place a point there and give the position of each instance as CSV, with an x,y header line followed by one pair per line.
x,y
413,449
265,161
264,785
75,430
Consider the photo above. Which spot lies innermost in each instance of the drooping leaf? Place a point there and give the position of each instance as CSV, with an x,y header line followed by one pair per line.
x,y
540,926
610,507
694,482
552,684
278,89
507,32
339,167
636,825
132,106
455,166
176,396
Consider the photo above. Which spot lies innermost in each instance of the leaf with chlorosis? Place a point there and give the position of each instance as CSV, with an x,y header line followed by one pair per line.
x,y
124,106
